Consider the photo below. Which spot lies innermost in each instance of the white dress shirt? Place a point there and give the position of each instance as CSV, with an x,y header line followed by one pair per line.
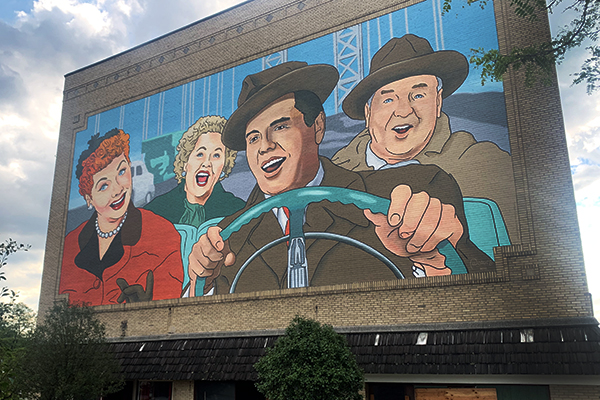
x,y
278,211
378,163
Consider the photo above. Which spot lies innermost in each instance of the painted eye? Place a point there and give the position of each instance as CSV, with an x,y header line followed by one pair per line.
x,y
252,139
201,154
122,171
103,187
280,127
216,156
386,101
419,96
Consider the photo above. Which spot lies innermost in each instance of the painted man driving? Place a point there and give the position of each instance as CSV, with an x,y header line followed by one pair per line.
x,y
280,123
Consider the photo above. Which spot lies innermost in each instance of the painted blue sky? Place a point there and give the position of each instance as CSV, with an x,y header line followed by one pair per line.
x,y
42,40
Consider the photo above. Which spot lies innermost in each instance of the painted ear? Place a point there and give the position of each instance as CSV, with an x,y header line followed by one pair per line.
x,y
367,115
439,102
319,127
88,201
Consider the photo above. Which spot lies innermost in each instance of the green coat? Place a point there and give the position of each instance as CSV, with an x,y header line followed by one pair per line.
x,y
171,205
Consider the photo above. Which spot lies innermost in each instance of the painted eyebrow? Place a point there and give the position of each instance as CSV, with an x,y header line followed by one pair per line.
x,y
251,132
277,121
100,181
201,148
386,91
419,85
105,179
280,120
218,148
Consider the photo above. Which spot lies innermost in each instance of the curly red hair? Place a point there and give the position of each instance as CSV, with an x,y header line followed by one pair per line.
x,y
109,149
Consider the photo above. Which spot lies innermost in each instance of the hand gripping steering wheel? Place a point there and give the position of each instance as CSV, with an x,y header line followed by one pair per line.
x,y
296,201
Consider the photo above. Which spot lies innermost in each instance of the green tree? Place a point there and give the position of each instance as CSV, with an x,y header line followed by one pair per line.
x,y
16,321
538,60
67,359
309,362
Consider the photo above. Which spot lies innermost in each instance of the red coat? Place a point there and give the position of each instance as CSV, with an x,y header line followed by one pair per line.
x,y
145,243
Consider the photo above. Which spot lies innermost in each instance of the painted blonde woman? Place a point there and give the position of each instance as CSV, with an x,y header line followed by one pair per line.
x,y
201,163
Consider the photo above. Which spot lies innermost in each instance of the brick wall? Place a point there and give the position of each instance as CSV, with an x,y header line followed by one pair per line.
x,y
541,276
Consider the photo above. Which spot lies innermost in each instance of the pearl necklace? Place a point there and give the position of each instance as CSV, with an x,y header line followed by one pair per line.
x,y
105,235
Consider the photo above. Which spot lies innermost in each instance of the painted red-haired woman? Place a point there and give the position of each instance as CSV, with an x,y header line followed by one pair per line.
x,y
121,253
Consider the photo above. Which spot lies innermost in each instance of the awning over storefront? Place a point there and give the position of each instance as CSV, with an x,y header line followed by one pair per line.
x,y
566,347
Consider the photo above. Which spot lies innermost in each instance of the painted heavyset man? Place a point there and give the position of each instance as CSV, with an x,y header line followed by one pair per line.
x,y
401,103
280,123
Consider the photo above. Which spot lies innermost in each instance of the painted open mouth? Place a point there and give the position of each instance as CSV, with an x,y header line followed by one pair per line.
x,y
272,164
202,178
402,129
119,203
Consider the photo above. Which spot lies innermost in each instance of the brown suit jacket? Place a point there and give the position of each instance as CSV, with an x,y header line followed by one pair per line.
x,y
329,262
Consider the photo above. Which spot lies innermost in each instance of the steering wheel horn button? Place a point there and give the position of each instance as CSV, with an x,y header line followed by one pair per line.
x,y
297,265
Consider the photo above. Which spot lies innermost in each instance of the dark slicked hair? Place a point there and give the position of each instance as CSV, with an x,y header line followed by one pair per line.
x,y
309,105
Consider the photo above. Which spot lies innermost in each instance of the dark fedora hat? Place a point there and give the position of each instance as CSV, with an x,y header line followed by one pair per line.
x,y
400,58
262,88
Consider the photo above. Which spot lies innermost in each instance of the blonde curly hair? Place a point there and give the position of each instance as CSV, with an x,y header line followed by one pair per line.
x,y
211,123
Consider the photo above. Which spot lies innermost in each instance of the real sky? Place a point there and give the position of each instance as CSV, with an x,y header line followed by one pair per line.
x,y
42,40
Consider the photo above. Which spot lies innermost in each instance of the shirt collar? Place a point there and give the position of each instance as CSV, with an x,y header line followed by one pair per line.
x,y
282,219
377,163
318,178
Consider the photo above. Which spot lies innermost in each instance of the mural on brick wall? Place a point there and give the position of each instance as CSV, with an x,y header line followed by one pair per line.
x,y
369,154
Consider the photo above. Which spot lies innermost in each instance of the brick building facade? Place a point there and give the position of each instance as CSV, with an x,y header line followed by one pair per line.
x,y
525,330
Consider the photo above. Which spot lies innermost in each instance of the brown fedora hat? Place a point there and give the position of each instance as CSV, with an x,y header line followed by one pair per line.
x,y
400,58
262,88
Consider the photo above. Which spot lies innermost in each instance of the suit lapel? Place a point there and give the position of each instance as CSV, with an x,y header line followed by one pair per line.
x,y
332,217
264,230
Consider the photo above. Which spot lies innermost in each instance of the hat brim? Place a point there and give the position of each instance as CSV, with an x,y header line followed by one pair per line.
x,y
450,66
320,79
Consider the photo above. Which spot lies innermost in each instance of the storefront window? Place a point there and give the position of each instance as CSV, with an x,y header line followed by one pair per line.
x,y
152,390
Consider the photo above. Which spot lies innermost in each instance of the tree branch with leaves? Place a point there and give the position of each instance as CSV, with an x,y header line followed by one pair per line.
x,y
6,249
538,60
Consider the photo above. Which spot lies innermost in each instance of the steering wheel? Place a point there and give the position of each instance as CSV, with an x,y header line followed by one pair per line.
x,y
296,201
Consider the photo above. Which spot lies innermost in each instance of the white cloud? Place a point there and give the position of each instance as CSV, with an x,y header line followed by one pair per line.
x,y
44,43
53,39
14,121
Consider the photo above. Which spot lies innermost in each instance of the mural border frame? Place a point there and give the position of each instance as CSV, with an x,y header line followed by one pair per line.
x,y
143,71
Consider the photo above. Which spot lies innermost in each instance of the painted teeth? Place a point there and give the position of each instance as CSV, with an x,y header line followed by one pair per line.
x,y
119,201
202,174
275,161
